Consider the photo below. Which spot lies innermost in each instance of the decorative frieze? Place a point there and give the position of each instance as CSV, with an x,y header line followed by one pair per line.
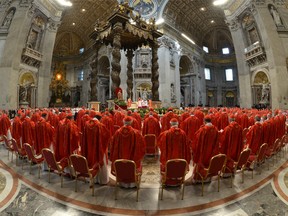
x,y
31,57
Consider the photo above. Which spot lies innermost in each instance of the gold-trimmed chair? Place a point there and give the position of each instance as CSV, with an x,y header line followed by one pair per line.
x,y
54,165
80,166
215,168
33,158
174,174
126,172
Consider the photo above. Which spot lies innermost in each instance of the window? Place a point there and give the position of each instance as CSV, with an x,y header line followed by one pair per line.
x,y
229,74
206,49
225,50
81,50
81,75
207,74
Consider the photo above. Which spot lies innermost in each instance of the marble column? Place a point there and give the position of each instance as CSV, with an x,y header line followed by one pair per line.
x,y
155,72
116,55
129,56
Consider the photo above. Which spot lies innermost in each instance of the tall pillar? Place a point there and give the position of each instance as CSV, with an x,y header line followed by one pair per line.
x,y
244,77
116,55
129,56
155,72
94,75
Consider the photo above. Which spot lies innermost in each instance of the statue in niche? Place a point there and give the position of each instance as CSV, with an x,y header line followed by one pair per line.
x,y
32,39
276,16
265,93
145,95
8,19
173,95
23,92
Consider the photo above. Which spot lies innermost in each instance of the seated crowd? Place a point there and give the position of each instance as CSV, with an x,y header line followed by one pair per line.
x,y
197,134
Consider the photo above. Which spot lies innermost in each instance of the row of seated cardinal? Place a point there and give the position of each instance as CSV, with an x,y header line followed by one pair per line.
x,y
92,136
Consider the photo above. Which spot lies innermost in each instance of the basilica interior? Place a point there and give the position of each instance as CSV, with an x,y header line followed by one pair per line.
x,y
174,53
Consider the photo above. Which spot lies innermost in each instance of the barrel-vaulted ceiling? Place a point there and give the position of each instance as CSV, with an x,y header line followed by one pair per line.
x,y
195,18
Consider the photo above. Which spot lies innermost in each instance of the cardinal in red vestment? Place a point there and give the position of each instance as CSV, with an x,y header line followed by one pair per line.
x,y
127,143
151,126
67,138
231,143
204,146
44,134
173,143
95,147
28,130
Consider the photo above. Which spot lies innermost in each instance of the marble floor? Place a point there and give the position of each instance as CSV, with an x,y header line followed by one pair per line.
x,y
22,193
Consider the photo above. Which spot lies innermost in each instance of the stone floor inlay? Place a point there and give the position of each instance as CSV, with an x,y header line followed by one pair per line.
x,y
2,182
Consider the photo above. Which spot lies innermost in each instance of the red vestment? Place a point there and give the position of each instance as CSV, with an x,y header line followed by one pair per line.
x,y
173,143
255,137
151,126
67,139
118,118
28,131
165,121
190,126
127,143
95,142
204,146
5,124
44,135
17,130
267,129
109,124
231,143
222,121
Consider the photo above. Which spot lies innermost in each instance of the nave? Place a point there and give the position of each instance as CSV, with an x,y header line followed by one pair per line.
x,y
22,193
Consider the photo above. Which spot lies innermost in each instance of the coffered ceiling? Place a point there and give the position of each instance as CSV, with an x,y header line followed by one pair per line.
x,y
195,18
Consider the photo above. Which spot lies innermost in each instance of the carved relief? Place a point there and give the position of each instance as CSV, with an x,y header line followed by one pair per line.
x,y
8,19
233,24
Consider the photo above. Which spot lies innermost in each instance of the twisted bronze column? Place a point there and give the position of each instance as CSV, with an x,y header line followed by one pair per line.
x,y
155,72
129,55
116,57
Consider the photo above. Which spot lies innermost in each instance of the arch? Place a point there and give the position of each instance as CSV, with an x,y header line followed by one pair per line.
x,y
260,77
26,77
186,65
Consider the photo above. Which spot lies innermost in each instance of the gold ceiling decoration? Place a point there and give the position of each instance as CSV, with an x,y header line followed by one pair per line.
x,y
183,15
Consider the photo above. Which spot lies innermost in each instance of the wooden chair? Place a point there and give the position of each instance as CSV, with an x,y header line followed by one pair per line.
x,y
33,158
241,164
80,166
19,152
175,172
126,172
270,152
259,158
151,148
8,145
215,168
53,165
244,133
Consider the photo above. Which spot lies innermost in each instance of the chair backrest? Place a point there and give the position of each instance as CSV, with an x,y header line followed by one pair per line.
x,y
79,164
276,144
15,145
6,142
217,164
243,158
261,152
176,169
125,170
150,140
29,151
50,159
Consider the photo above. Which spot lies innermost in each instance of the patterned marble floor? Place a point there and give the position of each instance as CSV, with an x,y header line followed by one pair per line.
x,y
25,194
